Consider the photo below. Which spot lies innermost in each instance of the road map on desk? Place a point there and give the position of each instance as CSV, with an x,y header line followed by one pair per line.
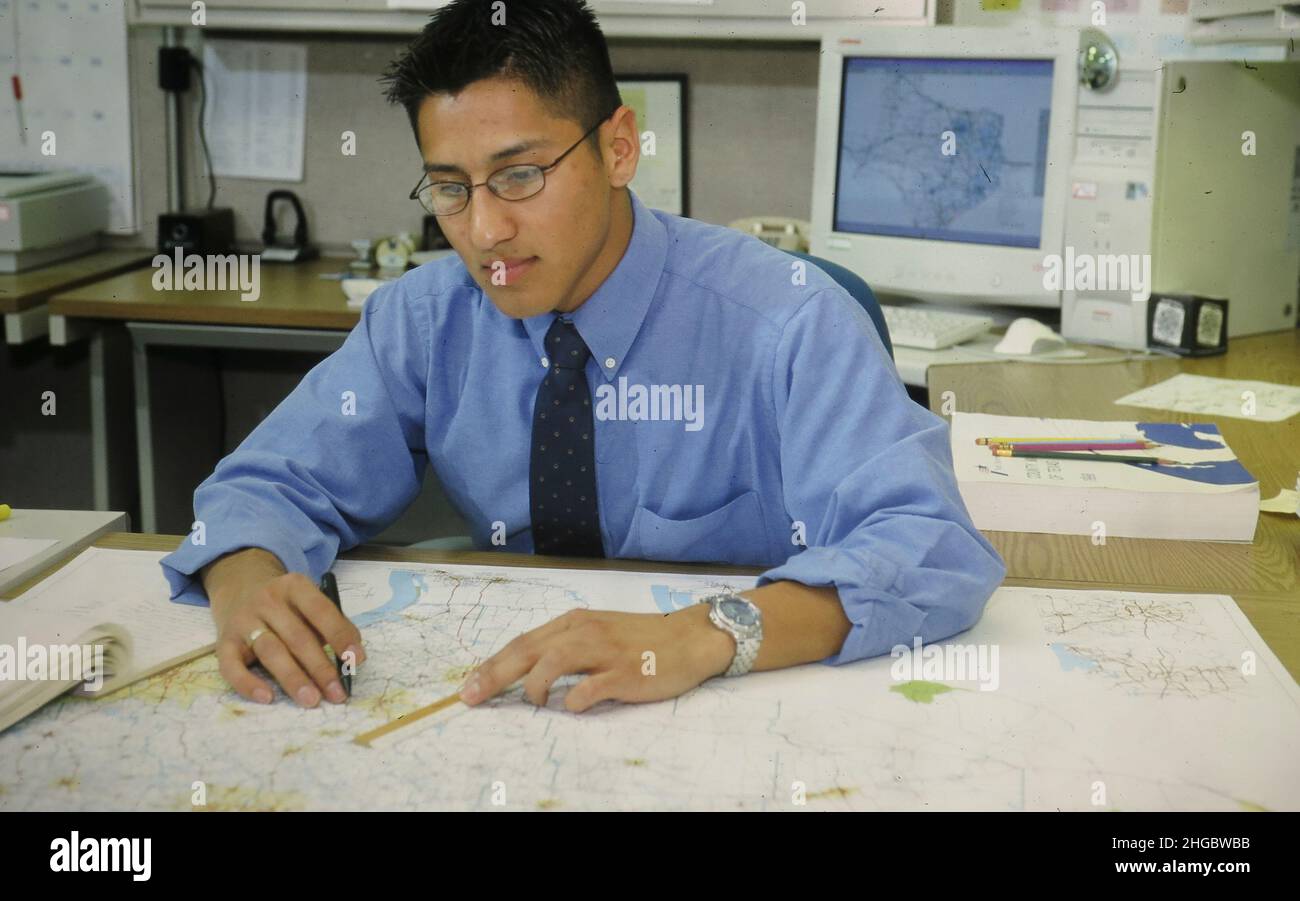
x,y
1092,700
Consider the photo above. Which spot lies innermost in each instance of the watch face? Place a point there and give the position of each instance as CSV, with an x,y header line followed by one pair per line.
x,y
738,612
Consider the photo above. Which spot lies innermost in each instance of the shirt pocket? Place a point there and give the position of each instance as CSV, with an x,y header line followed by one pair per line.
x,y
733,533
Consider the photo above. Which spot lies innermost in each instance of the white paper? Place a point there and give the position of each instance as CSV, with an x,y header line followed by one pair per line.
x,y
16,550
1235,398
1092,686
257,108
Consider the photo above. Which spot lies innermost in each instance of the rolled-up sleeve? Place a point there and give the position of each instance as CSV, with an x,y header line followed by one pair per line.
x,y
869,474
336,462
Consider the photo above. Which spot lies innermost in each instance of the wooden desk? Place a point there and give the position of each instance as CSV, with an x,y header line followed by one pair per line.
x,y
1275,615
292,296
23,295
296,311
1271,451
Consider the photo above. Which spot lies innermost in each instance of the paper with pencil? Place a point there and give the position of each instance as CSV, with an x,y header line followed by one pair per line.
x,y
1137,479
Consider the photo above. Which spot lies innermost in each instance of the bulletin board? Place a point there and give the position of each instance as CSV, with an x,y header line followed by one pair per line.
x,y
70,59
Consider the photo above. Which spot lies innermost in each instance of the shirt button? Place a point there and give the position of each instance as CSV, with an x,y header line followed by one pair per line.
x,y
609,362
545,362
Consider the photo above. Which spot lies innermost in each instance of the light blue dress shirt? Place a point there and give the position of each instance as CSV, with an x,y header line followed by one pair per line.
x,y
804,430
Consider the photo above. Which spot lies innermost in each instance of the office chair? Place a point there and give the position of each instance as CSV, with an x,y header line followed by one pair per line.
x,y
858,288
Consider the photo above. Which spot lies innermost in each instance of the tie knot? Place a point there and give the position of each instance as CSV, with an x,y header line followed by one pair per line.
x,y
565,347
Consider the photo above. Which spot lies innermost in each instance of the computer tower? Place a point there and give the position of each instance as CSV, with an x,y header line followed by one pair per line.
x,y
1192,171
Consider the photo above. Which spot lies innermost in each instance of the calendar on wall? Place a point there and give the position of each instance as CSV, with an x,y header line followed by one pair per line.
x,y
65,98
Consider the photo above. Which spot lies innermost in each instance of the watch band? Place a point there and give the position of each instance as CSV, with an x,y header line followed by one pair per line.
x,y
747,639
746,653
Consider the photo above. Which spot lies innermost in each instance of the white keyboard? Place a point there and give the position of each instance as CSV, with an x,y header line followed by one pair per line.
x,y
917,326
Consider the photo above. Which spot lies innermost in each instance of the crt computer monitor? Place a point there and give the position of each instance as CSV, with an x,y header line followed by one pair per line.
x,y
942,159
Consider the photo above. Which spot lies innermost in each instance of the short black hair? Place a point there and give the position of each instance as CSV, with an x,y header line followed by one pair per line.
x,y
555,47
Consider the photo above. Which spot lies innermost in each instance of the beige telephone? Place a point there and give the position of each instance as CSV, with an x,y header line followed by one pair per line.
x,y
779,231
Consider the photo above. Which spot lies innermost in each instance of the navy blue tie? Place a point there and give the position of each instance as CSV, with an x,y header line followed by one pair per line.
x,y
562,471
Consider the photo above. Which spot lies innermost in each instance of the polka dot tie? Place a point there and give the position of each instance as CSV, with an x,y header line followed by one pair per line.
x,y
562,473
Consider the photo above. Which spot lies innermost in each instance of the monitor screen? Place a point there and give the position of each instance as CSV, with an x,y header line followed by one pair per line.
x,y
944,149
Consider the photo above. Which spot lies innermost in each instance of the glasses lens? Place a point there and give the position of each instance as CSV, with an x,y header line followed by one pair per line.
x,y
443,198
517,182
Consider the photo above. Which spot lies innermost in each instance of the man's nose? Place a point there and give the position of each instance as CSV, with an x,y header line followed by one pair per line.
x,y
490,221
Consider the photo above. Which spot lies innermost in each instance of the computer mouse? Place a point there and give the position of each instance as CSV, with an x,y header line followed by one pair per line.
x,y
1028,336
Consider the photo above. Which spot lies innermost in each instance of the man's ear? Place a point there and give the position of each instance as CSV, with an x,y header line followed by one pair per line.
x,y
621,148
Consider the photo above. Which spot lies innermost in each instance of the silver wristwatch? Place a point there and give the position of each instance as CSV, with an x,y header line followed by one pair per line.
x,y
743,621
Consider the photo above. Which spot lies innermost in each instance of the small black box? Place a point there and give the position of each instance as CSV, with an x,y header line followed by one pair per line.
x,y
1188,324
197,231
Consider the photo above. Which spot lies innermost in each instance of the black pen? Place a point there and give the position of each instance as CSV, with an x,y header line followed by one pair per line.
x,y
329,587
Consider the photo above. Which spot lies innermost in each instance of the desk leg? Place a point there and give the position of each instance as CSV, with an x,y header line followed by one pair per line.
x,y
65,332
27,325
144,434
98,420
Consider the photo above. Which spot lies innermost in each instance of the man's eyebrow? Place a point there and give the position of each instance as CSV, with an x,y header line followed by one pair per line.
x,y
506,153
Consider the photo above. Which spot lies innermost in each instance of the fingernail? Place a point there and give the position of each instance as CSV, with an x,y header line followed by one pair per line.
x,y
261,696
357,657
308,696
472,691
334,691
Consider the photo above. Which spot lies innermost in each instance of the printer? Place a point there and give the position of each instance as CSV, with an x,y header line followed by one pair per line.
x,y
49,216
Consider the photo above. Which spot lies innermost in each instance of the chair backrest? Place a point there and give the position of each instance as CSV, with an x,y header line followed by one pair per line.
x,y
857,286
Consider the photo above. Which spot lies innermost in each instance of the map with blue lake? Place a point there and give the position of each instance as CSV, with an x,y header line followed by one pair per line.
x,y
1091,687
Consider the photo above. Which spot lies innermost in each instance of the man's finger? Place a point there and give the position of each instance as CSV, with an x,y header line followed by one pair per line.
x,y
328,620
305,645
233,661
501,670
562,657
497,673
597,687
273,654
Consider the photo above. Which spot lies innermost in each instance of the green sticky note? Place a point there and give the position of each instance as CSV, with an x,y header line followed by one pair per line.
x,y
999,5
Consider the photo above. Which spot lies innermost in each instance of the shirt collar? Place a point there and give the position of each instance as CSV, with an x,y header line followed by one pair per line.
x,y
610,319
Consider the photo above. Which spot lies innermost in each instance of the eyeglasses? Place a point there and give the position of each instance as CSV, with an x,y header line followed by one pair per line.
x,y
446,198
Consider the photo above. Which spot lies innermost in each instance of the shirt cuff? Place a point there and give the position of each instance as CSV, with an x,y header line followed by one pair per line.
x,y
866,583
182,565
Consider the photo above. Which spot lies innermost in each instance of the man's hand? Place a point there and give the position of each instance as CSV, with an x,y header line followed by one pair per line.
x,y
611,648
251,595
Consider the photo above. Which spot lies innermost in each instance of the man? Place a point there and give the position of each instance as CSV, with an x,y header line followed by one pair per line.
x,y
590,377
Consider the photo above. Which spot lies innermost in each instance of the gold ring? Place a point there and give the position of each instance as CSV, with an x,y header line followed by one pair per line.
x,y
254,636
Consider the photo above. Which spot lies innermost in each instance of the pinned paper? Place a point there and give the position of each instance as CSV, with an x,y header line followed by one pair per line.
x,y
257,108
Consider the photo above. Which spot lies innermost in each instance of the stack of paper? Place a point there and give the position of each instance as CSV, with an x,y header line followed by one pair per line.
x,y
1201,492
